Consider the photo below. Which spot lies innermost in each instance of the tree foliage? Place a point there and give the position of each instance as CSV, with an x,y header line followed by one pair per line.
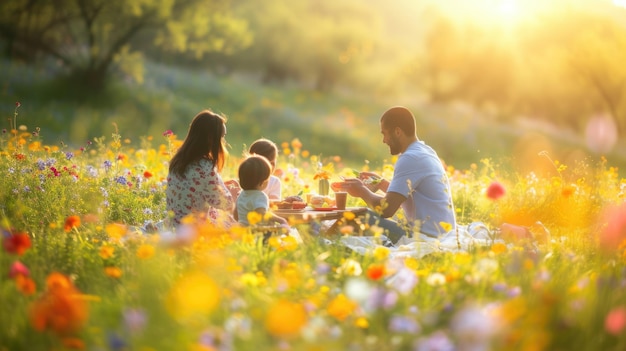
x,y
88,37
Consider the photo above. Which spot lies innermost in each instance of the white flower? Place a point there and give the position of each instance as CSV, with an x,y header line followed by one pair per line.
x,y
436,279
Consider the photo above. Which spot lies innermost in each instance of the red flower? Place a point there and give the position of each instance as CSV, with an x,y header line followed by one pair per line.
x,y
375,271
18,268
17,104
495,190
16,243
614,232
71,222
147,174
615,321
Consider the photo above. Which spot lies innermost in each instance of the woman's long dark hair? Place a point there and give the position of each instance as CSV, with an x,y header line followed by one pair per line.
x,y
204,139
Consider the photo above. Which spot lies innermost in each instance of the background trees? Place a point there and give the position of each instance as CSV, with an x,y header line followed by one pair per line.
x,y
89,37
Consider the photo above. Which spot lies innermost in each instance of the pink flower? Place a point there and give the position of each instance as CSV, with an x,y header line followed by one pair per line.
x,y
168,133
495,190
615,321
17,104
614,232
18,268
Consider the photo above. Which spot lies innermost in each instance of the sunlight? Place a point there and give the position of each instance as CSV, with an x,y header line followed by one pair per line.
x,y
508,8
620,3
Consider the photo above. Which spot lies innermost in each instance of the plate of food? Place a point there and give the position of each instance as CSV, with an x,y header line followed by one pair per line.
x,y
288,210
324,208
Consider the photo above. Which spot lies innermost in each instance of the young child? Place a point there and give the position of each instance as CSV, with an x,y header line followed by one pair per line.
x,y
269,150
254,175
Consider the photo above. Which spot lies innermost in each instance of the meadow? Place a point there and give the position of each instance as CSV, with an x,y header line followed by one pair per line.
x,y
79,273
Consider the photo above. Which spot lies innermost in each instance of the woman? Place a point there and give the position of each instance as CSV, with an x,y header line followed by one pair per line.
x,y
194,184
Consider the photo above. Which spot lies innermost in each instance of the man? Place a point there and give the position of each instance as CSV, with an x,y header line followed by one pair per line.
x,y
419,185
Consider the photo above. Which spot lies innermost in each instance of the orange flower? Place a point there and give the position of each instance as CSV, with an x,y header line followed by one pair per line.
x,y
106,251
71,222
113,272
375,271
285,318
341,307
17,243
61,308
25,285
145,251
147,174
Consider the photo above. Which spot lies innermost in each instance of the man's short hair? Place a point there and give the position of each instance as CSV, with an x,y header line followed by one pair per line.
x,y
401,117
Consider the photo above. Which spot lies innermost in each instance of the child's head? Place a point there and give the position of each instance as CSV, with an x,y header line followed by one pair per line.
x,y
254,172
265,148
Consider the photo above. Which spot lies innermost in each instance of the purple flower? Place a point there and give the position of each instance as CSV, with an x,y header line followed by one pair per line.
x,y
41,165
107,165
135,319
402,324
121,180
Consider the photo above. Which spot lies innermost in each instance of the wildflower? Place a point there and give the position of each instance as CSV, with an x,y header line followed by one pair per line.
x,y
69,155
474,326
498,248
106,251
16,243
17,104
567,191
348,215
135,319
375,271
403,324
495,190
403,281
436,279
615,321
350,267
18,268
254,217
25,285
71,222
193,294
113,272
381,253
61,308
285,318
145,251
168,133
614,232
341,307
115,231
107,165
121,180
362,323
147,174
445,226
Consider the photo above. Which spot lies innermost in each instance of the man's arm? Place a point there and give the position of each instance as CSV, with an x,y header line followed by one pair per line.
x,y
387,204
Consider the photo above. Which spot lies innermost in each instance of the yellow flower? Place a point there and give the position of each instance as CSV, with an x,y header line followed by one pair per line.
x,y
115,230
106,251
254,217
498,248
341,307
446,226
145,251
193,294
113,272
381,253
362,323
285,318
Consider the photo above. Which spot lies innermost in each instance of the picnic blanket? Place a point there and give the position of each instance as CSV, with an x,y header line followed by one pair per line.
x,y
461,238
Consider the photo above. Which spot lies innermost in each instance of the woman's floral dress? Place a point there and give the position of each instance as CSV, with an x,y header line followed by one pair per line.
x,y
200,191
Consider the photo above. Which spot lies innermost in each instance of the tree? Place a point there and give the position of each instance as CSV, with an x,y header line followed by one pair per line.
x,y
89,37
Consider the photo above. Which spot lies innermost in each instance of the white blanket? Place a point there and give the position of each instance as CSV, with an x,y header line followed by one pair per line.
x,y
463,238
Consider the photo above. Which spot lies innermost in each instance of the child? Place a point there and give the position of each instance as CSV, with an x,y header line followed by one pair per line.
x,y
269,150
254,175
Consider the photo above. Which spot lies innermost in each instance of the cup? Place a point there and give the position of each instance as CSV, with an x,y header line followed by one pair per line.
x,y
308,197
340,199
